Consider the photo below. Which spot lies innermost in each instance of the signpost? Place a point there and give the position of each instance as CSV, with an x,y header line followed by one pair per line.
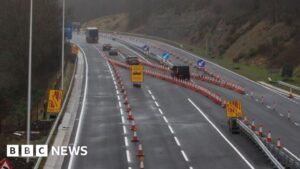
x,y
54,101
166,56
137,74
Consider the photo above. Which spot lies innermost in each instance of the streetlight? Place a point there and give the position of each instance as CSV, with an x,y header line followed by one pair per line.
x,y
63,46
29,79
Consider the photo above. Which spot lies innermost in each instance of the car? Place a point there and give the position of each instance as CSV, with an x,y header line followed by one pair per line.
x,y
106,47
113,52
132,60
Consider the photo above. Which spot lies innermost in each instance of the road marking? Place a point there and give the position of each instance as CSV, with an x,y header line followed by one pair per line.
x,y
124,129
280,114
157,105
121,111
184,156
170,128
128,156
152,97
149,92
123,120
269,107
160,111
177,141
297,124
297,158
120,104
221,134
118,97
126,141
82,112
166,120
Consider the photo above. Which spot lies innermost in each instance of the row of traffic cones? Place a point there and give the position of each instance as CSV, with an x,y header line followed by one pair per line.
x,y
260,132
133,127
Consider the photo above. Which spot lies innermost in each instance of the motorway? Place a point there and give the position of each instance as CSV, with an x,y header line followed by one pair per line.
x,y
275,120
177,127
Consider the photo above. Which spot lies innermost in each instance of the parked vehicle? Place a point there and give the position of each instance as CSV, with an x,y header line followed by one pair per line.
x,y
106,47
132,60
113,52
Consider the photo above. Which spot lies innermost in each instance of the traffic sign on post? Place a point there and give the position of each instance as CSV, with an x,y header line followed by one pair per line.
x,y
54,101
201,63
166,56
137,73
5,164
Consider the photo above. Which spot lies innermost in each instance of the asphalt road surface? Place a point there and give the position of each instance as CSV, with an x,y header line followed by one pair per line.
x,y
177,127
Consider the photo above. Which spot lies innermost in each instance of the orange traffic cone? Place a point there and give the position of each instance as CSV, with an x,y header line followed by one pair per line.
x,y
260,131
140,152
133,126
253,126
246,120
135,138
130,117
269,137
142,165
278,144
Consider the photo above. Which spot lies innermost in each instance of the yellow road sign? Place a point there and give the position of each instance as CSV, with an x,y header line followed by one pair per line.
x,y
75,50
137,73
234,109
54,101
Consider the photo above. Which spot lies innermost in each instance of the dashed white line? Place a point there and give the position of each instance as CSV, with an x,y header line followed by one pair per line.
x,y
171,130
121,111
123,120
297,124
157,105
120,104
149,91
153,97
221,134
177,141
269,107
160,111
184,156
128,156
119,98
124,130
280,114
166,120
126,141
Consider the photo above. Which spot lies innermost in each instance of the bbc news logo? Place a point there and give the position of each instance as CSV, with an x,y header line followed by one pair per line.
x,y
42,151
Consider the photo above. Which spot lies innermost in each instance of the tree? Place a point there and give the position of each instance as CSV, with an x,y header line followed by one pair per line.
x,y
287,70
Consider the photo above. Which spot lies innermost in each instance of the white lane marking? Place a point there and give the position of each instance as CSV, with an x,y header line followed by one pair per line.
x,y
184,156
221,134
126,141
280,114
297,124
160,111
123,120
157,105
123,57
118,92
124,129
297,158
121,111
171,129
269,107
120,104
191,168
166,120
149,91
153,97
118,98
177,141
128,156
82,112
134,52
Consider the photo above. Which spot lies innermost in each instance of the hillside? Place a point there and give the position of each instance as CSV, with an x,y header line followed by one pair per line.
x,y
264,33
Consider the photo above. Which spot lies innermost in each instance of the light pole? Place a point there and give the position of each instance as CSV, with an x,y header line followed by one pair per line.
x,y
29,79
63,46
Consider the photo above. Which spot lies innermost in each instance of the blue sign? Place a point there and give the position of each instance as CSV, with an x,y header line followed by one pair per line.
x,y
201,63
68,32
166,56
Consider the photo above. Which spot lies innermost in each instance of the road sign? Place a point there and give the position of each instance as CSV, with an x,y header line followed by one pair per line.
x,y
201,63
146,48
68,32
75,50
54,101
5,164
166,56
234,109
137,73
